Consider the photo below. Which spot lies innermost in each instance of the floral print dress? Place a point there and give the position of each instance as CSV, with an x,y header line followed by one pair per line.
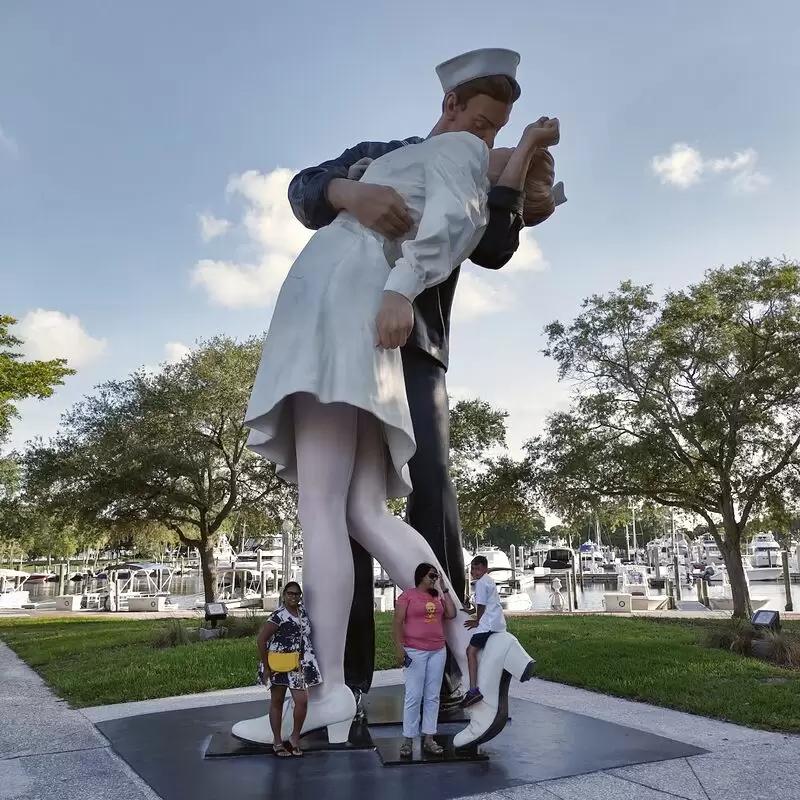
x,y
293,636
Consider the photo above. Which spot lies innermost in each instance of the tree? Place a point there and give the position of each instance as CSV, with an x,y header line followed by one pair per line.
x,y
498,493
527,533
165,448
693,403
22,379
475,428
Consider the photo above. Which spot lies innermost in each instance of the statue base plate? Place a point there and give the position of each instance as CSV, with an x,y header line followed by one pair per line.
x,y
384,706
389,752
165,749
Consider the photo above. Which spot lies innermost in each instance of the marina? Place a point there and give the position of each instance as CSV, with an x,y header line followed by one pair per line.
x,y
551,577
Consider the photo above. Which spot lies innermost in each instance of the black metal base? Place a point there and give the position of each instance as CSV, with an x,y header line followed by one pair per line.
x,y
389,752
543,743
384,706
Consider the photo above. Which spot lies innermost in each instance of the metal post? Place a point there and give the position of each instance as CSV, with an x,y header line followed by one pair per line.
x,y
677,569
633,530
627,543
513,561
569,591
787,584
574,586
61,578
262,583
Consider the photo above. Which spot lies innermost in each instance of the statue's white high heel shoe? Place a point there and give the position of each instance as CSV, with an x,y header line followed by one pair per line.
x,y
256,730
335,711
502,658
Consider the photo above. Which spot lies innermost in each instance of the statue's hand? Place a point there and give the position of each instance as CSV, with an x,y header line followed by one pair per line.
x,y
394,321
545,132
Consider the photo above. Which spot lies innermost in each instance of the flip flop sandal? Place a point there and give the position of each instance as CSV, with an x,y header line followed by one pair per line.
x,y
280,751
295,749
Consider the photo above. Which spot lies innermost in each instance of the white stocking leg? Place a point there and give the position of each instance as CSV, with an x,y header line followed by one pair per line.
x,y
325,443
398,547
325,439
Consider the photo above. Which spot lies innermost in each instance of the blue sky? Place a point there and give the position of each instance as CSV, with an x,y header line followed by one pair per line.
x,y
122,124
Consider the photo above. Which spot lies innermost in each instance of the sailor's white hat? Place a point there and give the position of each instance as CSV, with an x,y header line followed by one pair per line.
x,y
479,64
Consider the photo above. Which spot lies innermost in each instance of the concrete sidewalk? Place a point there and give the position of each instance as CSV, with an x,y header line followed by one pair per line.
x,y
51,752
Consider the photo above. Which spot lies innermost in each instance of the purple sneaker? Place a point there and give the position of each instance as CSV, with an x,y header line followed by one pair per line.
x,y
471,697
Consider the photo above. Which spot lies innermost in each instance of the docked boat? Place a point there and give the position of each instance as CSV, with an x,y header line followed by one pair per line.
x,y
592,558
499,564
12,595
764,552
635,583
708,551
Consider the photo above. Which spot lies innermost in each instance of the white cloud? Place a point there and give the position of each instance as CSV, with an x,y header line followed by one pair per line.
x,y
529,256
682,167
274,237
176,351
459,392
211,226
476,297
51,334
685,167
8,145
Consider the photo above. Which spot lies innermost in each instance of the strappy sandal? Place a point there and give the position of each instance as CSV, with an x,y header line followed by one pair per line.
x,y
281,751
295,750
406,749
431,746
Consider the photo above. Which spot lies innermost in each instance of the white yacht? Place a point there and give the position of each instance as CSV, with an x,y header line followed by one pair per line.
x,y
499,563
764,551
708,551
634,583
12,595
592,558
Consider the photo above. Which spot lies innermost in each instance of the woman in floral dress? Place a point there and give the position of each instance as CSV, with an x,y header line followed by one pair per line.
x,y
288,662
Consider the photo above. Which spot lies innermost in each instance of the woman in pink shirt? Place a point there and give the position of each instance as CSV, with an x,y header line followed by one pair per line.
x,y
419,636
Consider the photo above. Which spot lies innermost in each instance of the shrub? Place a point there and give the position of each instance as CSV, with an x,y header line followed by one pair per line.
x,y
243,627
784,648
174,634
735,635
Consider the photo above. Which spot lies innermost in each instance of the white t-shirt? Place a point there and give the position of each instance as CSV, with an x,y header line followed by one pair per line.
x,y
486,595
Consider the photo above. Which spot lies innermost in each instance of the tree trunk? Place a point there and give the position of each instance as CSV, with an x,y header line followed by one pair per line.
x,y
207,568
732,554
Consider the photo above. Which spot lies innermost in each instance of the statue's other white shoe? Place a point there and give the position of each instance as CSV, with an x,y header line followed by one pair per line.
x,y
501,659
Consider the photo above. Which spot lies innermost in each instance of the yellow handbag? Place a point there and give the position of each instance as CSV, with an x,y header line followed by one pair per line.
x,y
283,662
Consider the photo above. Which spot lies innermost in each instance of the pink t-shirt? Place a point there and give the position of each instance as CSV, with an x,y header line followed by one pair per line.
x,y
424,614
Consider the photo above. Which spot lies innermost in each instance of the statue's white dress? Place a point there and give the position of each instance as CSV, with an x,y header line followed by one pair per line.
x,y
322,337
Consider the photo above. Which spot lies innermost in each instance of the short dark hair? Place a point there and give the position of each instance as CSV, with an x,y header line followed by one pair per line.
x,y
480,561
289,586
498,87
421,571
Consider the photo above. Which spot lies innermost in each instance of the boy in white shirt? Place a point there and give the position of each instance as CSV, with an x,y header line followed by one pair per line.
x,y
489,620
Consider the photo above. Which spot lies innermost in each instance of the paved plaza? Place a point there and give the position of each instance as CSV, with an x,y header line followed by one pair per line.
x,y
48,750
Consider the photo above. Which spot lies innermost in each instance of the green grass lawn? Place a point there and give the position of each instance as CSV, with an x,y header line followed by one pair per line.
x,y
94,662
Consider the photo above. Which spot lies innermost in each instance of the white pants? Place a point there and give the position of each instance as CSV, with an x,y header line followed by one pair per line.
x,y
423,679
